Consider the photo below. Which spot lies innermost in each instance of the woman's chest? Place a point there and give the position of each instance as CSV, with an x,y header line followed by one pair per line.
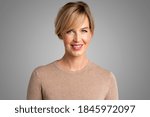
x,y
75,89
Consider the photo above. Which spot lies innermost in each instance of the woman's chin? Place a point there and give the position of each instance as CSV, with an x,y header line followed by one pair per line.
x,y
77,53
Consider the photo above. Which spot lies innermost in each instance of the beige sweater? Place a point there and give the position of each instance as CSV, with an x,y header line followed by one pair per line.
x,y
51,82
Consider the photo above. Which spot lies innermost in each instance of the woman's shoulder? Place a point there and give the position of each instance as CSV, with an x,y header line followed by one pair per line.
x,y
99,70
42,70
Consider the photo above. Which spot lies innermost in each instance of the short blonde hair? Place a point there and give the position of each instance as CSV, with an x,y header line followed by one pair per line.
x,y
71,15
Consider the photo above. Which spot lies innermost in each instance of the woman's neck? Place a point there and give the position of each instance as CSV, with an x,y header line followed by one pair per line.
x,y
73,63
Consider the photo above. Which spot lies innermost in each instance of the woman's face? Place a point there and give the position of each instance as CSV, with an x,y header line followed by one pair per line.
x,y
77,40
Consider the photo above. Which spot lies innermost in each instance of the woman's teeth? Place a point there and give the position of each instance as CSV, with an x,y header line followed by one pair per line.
x,y
77,46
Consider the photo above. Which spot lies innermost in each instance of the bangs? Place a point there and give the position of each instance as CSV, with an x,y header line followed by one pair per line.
x,y
75,21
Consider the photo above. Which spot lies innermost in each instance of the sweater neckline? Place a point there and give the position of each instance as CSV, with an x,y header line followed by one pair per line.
x,y
69,71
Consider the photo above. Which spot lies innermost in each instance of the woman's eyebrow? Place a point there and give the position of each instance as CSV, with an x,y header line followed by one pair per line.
x,y
85,28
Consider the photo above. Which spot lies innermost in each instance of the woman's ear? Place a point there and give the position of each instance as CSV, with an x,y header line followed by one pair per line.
x,y
92,33
60,36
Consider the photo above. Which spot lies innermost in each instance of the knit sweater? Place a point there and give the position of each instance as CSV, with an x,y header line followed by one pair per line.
x,y
51,82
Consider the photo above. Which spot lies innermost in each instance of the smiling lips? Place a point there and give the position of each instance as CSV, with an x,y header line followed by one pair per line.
x,y
77,46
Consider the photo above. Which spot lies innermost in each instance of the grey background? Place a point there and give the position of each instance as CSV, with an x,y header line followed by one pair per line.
x,y
120,44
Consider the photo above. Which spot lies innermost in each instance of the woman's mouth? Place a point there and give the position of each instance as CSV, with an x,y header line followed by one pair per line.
x,y
77,46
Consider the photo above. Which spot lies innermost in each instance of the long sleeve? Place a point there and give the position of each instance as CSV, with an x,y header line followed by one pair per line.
x,y
113,90
34,88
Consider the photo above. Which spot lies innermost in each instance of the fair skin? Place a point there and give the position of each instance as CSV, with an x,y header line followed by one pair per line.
x,y
76,42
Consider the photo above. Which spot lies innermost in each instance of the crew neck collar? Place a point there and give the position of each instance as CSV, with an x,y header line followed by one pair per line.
x,y
69,71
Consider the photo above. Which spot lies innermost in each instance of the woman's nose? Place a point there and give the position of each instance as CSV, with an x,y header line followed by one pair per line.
x,y
77,37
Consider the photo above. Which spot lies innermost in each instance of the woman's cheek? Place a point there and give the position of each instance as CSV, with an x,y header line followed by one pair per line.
x,y
87,38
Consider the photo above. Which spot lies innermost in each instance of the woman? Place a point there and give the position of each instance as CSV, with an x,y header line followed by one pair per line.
x,y
74,76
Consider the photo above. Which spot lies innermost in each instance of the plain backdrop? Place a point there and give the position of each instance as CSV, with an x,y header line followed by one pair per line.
x,y
120,43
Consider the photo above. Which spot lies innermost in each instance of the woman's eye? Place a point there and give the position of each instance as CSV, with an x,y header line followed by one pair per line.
x,y
84,31
69,31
